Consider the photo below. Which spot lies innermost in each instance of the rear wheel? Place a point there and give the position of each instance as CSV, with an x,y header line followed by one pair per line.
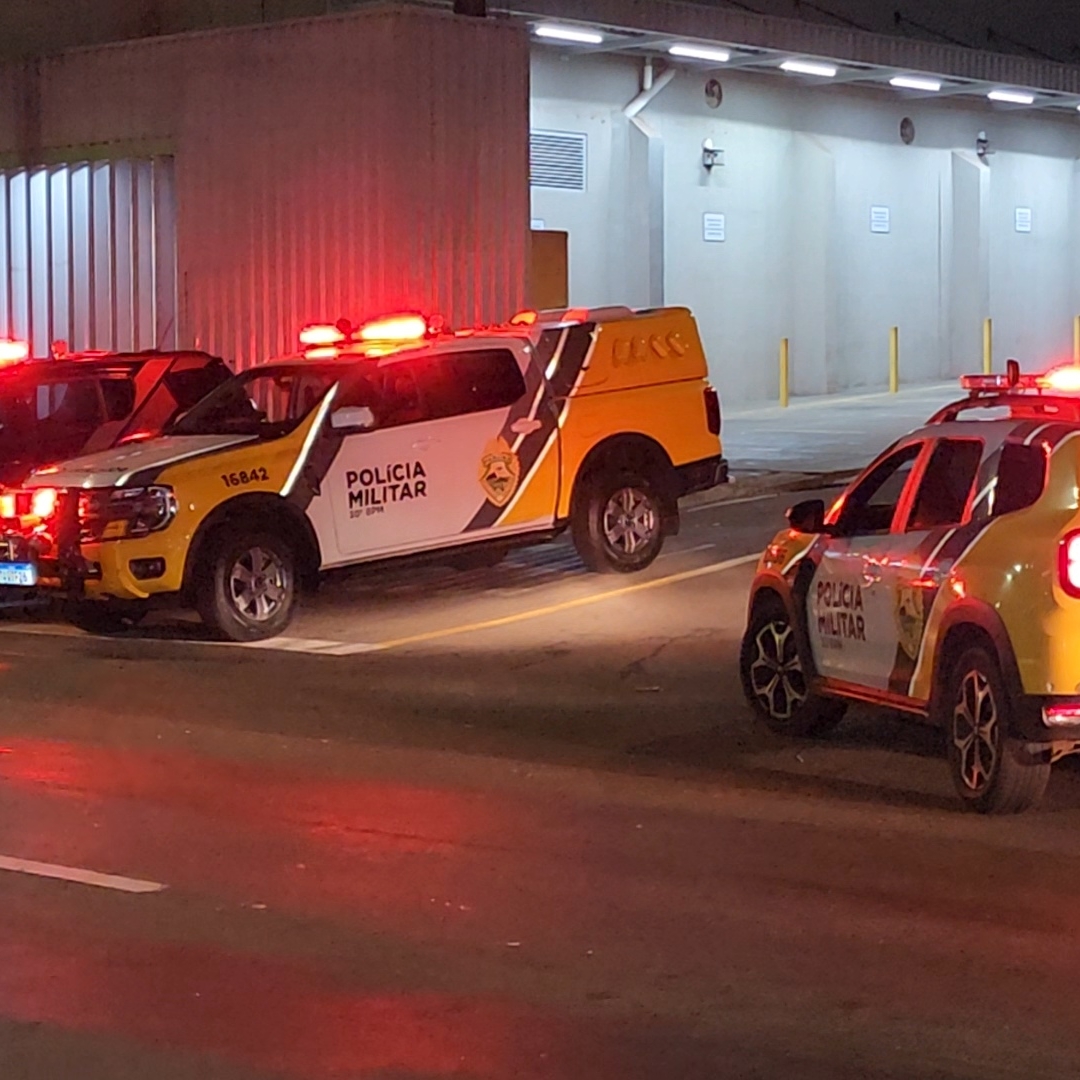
x,y
993,772
247,587
618,523
775,680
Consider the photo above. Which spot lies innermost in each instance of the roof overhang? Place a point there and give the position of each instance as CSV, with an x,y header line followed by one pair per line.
x,y
762,43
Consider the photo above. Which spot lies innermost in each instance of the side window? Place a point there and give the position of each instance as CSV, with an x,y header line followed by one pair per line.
x,y
1021,478
470,382
189,384
946,486
119,397
871,505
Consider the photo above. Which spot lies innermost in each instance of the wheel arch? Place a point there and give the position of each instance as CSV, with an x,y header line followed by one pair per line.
x,y
630,450
970,622
263,511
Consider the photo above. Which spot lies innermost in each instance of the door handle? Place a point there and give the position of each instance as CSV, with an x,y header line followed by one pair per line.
x,y
525,426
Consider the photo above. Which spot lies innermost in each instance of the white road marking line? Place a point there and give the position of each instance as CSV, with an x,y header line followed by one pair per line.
x,y
734,502
689,551
82,877
290,644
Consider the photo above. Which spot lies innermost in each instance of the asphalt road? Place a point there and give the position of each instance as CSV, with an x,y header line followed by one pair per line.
x,y
507,822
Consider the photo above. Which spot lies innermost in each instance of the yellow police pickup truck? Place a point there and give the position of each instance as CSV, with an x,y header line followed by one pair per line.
x,y
390,439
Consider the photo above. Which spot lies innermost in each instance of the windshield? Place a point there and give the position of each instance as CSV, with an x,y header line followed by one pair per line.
x,y
268,403
50,420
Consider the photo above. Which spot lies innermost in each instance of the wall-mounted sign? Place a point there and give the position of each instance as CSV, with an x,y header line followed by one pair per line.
x,y
1023,219
714,228
880,219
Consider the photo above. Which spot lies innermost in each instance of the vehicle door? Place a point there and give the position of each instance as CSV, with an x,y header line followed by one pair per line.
x,y
434,455
934,533
849,608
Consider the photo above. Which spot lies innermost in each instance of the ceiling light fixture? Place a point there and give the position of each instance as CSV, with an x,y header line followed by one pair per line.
x,y
915,82
699,52
808,67
1012,97
566,33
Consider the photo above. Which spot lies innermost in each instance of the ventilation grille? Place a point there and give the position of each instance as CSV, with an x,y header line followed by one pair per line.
x,y
557,160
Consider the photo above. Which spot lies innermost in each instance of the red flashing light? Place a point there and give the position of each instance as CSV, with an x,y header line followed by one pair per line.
x,y
1065,380
14,352
578,315
8,508
320,335
525,318
322,352
404,327
43,503
1069,564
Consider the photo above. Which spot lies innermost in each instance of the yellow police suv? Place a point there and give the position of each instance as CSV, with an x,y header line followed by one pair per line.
x,y
944,583
397,438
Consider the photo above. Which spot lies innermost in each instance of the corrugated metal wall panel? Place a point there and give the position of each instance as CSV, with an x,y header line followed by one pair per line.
x,y
342,166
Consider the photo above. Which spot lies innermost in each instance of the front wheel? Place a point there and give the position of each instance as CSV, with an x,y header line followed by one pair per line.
x,y
618,523
993,772
775,681
247,589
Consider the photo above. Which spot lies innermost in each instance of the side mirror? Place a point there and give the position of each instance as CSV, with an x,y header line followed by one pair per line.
x,y
352,419
808,516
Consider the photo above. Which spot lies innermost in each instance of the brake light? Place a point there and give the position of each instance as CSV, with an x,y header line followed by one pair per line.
x,y
43,502
13,352
1061,715
1069,564
712,410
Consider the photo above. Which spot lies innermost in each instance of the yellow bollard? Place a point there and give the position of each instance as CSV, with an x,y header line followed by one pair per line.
x,y
1076,341
894,359
988,346
785,372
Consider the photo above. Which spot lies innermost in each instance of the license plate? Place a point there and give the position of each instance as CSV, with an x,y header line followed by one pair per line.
x,y
18,573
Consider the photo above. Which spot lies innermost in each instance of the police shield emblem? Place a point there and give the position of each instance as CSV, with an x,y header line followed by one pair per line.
x,y
500,472
910,618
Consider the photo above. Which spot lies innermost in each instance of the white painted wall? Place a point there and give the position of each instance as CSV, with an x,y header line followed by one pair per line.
x,y
803,167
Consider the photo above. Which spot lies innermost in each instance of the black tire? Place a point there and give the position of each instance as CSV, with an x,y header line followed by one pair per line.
x,y
994,772
263,562
104,617
774,677
617,523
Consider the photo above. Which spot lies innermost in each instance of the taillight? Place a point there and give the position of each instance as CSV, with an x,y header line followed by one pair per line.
x,y
712,410
1069,564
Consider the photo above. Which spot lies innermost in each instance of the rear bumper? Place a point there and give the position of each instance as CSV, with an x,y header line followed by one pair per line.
x,y
701,475
1030,712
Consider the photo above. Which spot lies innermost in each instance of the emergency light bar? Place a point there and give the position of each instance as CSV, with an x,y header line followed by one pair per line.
x,y
1061,380
387,333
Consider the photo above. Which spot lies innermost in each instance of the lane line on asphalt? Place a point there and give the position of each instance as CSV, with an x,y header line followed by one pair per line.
x,y
76,874
732,502
566,605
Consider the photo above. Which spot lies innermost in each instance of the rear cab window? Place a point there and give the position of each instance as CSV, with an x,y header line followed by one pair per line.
x,y
1021,478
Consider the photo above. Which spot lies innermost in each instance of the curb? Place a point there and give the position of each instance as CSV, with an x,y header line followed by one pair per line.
x,y
752,484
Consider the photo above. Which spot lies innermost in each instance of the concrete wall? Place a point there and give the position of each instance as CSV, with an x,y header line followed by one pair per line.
x,y
343,166
803,168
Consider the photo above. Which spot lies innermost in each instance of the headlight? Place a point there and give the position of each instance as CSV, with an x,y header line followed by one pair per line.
x,y
124,513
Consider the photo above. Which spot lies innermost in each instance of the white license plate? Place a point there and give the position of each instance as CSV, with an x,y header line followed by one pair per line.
x,y
18,573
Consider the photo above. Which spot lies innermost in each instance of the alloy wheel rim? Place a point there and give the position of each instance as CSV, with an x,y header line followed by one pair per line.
x,y
630,521
258,584
976,731
776,673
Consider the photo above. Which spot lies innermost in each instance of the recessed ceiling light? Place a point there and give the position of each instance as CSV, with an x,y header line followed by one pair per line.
x,y
1012,97
567,33
808,67
915,82
699,52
